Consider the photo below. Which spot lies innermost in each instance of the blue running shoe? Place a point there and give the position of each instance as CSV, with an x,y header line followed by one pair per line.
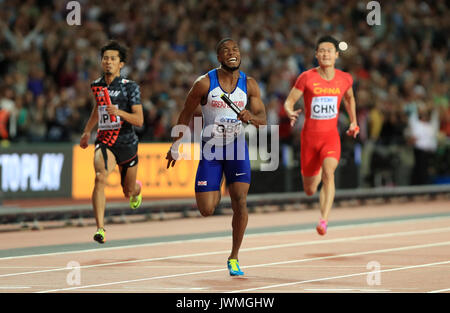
x,y
233,267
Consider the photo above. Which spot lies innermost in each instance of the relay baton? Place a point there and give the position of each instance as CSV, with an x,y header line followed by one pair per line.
x,y
108,102
102,97
352,132
231,104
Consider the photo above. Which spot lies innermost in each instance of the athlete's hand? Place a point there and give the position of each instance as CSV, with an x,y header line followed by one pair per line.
x,y
171,158
84,140
112,110
353,130
293,116
245,116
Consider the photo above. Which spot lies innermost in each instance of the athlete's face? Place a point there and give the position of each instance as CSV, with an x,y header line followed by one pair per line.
x,y
229,56
111,63
326,54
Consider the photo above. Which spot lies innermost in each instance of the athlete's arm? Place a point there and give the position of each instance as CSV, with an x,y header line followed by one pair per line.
x,y
350,106
136,117
92,121
257,114
294,95
198,91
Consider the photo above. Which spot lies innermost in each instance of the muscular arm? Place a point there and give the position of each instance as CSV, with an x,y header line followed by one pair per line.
x,y
136,117
257,114
92,121
193,99
294,95
350,107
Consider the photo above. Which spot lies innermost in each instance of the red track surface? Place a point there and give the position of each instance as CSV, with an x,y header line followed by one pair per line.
x,y
406,255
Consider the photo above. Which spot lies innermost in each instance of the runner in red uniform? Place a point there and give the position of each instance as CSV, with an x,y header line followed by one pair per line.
x,y
323,88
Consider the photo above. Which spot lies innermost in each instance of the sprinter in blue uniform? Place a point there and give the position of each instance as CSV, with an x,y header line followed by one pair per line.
x,y
224,150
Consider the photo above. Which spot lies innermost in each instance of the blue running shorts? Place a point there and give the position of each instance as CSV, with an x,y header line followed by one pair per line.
x,y
232,160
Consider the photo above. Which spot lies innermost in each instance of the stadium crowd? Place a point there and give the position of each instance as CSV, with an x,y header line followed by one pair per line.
x,y
400,69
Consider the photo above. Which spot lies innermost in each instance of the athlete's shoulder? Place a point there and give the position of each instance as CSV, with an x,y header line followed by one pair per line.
x,y
344,75
251,81
303,78
132,87
200,86
98,81
308,73
252,86
126,81
210,72
203,80
311,71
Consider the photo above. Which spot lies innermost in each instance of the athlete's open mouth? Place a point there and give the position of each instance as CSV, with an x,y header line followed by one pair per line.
x,y
232,60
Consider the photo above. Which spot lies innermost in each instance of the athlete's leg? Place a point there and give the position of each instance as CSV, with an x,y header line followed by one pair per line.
x,y
129,186
328,189
322,197
207,201
310,164
207,185
238,195
101,175
310,183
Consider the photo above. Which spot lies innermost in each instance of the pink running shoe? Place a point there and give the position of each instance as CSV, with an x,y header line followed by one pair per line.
x,y
322,227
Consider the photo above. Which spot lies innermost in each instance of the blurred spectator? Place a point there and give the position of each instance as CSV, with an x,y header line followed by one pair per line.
x,y
8,114
445,122
23,119
36,81
37,132
4,118
424,128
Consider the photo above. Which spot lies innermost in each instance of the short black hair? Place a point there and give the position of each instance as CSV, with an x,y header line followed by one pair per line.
x,y
114,45
327,38
220,43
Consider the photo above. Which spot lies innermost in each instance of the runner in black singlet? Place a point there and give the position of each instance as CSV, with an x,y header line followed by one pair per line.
x,y
116,142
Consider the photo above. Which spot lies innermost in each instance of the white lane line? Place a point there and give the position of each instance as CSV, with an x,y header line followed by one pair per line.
x,y
429,245
131,281
440,290
314,242
265,265
13,287
340,276
287,245
143,245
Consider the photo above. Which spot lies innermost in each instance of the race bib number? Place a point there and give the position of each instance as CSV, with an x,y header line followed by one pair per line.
x,y
324,108
104,120
226,127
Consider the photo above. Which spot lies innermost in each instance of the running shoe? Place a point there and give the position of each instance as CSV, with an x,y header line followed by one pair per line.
x,y
322,227
135,201
100,236
233,267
